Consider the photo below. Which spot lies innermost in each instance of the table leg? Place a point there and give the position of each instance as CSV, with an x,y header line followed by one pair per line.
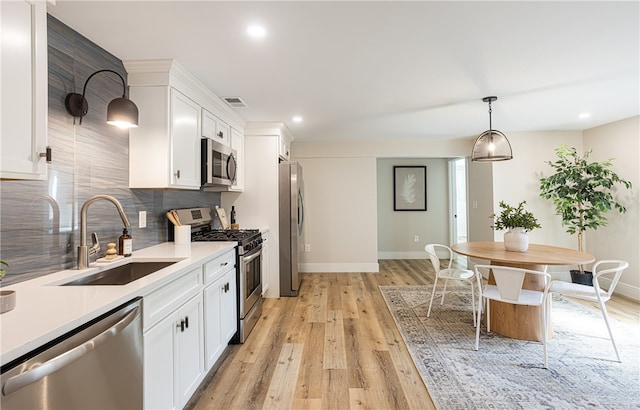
x,y
519,321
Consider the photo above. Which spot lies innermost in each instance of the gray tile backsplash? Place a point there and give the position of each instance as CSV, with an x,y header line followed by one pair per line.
x,y
39,220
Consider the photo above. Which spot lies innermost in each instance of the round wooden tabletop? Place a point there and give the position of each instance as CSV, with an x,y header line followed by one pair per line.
x,y
535,255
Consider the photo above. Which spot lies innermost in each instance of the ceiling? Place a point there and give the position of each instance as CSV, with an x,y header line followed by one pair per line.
x,y
390,70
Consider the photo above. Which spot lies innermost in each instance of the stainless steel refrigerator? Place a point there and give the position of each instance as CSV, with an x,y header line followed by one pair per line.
x,y
291,204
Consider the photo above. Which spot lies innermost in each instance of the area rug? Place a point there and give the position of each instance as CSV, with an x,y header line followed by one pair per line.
x,y
506,373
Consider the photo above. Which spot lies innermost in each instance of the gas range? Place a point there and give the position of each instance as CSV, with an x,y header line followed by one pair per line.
x,y
201,222
247,239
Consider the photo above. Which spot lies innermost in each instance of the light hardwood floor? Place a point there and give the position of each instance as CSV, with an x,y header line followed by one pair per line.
x,y
335,346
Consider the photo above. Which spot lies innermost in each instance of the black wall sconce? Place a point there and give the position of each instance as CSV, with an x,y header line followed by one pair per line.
x,y
121,112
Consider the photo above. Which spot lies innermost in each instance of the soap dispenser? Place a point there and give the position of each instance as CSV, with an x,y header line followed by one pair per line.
x,y
126,243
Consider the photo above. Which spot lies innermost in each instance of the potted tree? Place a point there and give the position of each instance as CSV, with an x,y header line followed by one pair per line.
x,y
582,193
518,222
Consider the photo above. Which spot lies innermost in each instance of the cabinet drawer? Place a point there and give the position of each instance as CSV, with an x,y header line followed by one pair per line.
x,y
168,298
218,266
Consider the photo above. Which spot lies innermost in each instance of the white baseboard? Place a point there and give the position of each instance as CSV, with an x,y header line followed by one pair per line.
x,y
403,255
339,267
632,292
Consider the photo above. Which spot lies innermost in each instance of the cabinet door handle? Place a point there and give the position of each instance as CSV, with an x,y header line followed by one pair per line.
x,y
186,322
220,134
224,264
46,154
181,326
178,174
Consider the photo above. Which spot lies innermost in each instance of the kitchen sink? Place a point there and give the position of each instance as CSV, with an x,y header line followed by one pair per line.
x,y
120,275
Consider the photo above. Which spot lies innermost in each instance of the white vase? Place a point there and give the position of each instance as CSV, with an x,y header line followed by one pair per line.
x,y
516,240
7,300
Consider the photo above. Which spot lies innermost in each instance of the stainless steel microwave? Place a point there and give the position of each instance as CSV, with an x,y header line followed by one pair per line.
x,y
219,165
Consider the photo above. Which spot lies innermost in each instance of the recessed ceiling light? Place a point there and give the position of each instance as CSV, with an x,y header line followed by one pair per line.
x,y
256,31
584,115
297,118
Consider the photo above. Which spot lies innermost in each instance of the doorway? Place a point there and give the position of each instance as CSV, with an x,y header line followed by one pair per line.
x,y
458,196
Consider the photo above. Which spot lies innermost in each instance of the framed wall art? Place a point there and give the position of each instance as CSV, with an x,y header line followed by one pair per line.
x,y
409,188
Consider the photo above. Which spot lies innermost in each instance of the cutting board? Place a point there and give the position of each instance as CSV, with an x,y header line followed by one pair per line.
x,y
222,216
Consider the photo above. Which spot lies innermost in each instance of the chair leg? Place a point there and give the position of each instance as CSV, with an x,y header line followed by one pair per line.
x,y
488,315
544,317
444,290
605,315
433,293
473,302
478,318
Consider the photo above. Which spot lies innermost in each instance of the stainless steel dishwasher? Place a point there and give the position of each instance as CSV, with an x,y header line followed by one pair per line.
x,y
96,366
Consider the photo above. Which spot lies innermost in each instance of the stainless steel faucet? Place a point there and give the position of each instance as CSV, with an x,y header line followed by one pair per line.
x,y
83,250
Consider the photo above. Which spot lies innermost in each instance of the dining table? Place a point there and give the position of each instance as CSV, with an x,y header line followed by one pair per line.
x,y
521,321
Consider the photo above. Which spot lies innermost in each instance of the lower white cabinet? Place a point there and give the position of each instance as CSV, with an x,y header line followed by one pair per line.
x,y
174,345
187,325
220,305
221,316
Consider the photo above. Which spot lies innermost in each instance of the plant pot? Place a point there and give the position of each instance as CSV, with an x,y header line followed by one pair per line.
x,y
582,278
516,240
7,300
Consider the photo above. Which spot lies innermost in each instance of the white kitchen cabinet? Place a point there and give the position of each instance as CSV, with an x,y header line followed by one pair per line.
x,y
214,128
220,305
176,111
164,151
237,143
284,147
173,342
23,74
189,349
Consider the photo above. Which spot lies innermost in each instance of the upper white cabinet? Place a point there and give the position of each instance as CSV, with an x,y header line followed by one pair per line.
x,y
23,74
284,147
237,143
214,128
164,151
176,111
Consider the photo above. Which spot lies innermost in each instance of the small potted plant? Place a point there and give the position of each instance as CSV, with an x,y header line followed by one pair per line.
x,y
582,193
7,297
518,222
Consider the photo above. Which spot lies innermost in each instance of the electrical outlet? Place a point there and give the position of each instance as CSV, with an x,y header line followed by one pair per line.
x,y
475,204
416,238
142,219
307,248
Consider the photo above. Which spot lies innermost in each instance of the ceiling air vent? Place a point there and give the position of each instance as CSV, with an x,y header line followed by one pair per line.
x,y
235,102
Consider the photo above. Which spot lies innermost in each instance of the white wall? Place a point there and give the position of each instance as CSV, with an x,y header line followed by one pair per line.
x,y
396,229
620,239
519,179
340,215
341,197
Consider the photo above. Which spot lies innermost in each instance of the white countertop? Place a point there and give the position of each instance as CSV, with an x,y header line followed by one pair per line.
x,y
45,311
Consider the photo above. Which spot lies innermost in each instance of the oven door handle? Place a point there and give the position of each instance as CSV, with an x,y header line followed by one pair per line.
x,y
257,253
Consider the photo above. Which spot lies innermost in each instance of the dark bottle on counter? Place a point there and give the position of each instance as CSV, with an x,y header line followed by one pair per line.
x,y
233,214
125,243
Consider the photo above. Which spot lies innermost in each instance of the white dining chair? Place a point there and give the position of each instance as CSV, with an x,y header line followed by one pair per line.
x,y
508,289
595,293
447,274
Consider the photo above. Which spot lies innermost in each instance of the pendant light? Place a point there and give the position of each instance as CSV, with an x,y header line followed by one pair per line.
x,y
121,112
491,145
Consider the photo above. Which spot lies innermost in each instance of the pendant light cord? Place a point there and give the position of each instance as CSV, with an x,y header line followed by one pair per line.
x,y
490,115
